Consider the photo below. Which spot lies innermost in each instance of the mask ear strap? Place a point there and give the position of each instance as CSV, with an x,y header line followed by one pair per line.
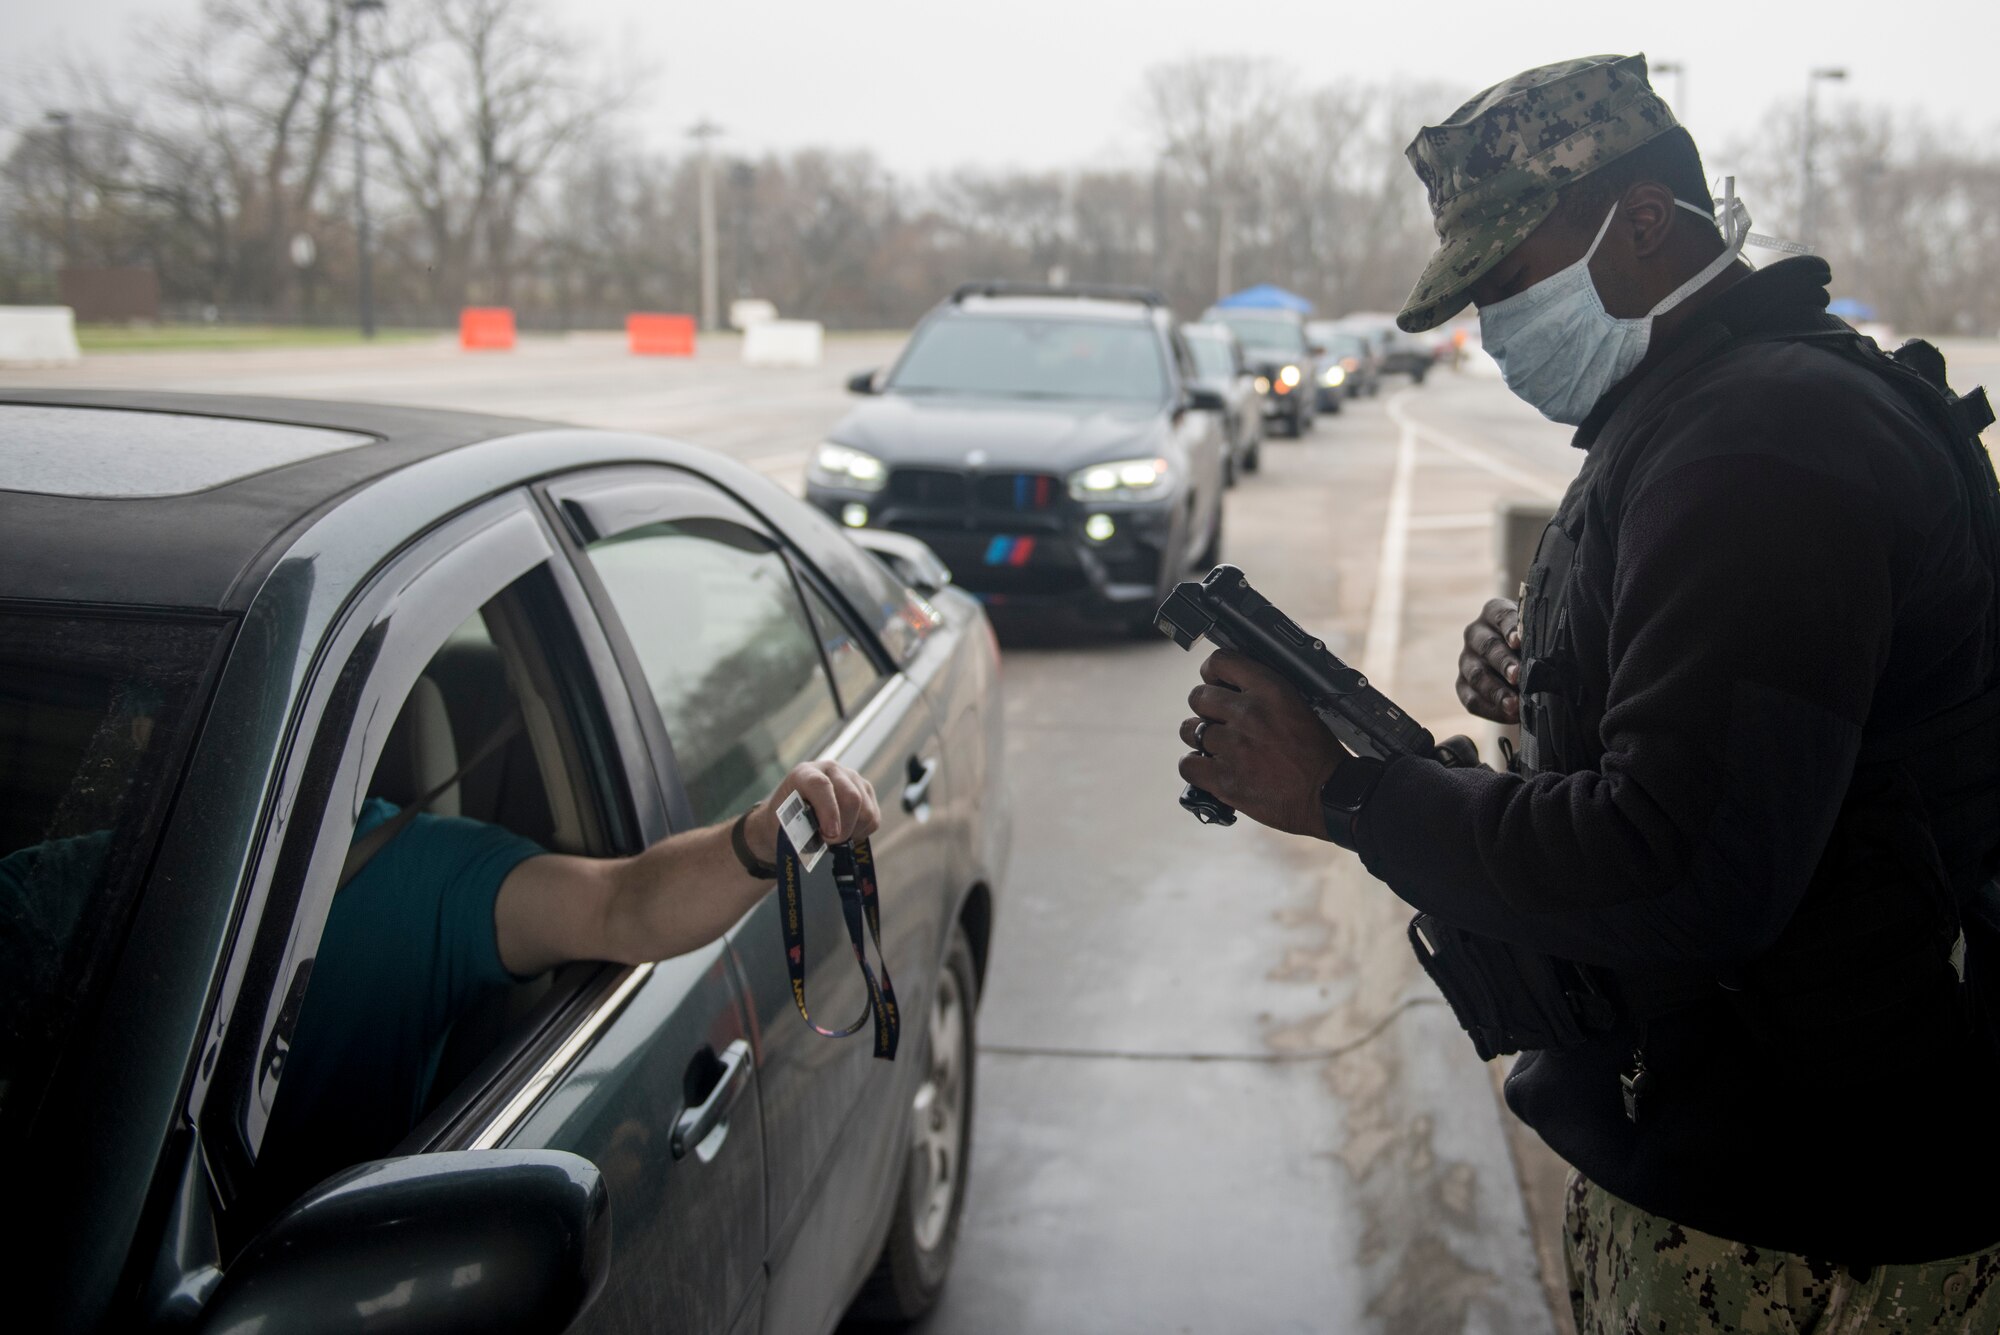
x,y
1599,240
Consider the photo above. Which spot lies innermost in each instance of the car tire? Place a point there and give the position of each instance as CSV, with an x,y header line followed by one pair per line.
x,y
1417,376
1302,424
1252,458
1335,406
1229,468
916,1257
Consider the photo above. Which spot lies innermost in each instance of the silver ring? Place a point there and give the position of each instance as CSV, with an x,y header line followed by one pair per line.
x,y
1200,734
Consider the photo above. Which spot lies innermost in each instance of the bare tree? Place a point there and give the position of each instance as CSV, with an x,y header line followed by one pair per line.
x,y
484,98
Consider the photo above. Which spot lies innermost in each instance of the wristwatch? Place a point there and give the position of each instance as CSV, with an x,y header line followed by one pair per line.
x,y
1345,793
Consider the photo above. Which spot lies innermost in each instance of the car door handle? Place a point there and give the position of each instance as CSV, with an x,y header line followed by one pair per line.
x,y
694,1125
918,790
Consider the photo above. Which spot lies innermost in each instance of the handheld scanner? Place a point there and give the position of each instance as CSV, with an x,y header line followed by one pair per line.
x,y
1229,613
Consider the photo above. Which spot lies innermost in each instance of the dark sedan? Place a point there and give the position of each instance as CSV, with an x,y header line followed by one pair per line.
x,y
1053,444
1350,366
229,629
1276,346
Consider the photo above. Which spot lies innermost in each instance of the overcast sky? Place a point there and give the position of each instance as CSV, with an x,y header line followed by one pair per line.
x,y
930,84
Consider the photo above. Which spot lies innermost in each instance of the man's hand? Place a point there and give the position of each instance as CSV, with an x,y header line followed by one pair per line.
x,y
1262,749
842,801
1489,669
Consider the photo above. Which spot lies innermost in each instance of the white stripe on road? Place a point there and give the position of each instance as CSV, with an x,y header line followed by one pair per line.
x,y
1385,618
1472,454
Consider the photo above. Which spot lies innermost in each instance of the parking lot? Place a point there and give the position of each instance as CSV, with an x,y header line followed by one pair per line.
x,y
1214,1091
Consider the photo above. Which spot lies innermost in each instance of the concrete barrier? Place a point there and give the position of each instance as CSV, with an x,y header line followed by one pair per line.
x,y
38,336
486,328
746,311
783,343
652,335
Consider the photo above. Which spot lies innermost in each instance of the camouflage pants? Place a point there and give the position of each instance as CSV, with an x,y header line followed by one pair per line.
x,y
1632,1272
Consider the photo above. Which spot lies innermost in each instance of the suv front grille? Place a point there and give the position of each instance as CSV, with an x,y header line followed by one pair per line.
x,y
1019,491
931,488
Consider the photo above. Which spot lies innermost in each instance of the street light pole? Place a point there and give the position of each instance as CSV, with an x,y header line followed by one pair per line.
x,y
364,259
62,120
702,133
1809,200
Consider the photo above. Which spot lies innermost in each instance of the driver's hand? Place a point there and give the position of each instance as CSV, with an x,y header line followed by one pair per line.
x,y
842,802
1489,669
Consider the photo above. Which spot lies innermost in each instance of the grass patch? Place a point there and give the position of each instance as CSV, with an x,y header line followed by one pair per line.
x,y
226,337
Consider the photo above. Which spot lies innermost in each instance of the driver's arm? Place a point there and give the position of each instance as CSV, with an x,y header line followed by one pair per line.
x,y
677,896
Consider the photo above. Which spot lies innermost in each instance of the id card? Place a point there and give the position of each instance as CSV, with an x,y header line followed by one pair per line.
x,y
797,819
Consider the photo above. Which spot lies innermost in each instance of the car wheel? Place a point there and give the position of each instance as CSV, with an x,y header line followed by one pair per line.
x,y
916,1258
1253,460
1302,424
1335,406
1417,376
1229,469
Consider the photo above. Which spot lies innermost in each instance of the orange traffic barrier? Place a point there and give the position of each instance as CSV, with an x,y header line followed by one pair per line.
x,y
486,328
661,335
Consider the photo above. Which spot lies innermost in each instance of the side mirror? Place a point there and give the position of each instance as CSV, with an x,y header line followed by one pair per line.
x,y
514,1241
1317,349
1206,400
861,382
910,558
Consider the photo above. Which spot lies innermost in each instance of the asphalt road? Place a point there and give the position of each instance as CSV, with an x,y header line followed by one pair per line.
x,y
1214,1092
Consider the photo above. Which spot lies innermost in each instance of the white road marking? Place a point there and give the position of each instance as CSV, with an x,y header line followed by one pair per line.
x,y
1472,454
1385,618
1425,523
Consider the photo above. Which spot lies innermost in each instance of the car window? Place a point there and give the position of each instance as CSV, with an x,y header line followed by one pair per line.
x,y
714,617
855,675
95,717
1033,359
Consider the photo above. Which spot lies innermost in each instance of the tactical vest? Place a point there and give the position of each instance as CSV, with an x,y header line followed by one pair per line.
x,y
1923,809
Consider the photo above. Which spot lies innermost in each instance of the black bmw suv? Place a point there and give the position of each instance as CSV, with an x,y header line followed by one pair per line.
x,y
1050,443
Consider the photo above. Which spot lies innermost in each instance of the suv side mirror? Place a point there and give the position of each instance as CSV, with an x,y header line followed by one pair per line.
x,y
1206,400
515,1241
910,559
861,382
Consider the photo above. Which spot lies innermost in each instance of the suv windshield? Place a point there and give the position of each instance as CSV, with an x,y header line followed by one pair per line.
x,y
1212,357
1033,359
1261,333
95,714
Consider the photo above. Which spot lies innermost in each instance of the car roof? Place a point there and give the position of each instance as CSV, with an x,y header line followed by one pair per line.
x,y
160,499
1055,308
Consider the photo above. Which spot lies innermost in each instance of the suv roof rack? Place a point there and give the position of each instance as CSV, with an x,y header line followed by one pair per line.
x,y
1007,287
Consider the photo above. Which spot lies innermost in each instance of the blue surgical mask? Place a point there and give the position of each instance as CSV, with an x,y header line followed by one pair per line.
x,y
1560,350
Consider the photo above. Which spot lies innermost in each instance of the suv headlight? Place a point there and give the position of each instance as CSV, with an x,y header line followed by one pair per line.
x,y
1334,376
1123,480
1289,377
839,465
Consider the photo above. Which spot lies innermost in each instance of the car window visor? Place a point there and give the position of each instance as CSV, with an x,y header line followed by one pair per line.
x,y
854,880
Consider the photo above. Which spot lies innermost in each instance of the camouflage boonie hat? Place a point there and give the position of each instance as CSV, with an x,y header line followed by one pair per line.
x,y
1494,167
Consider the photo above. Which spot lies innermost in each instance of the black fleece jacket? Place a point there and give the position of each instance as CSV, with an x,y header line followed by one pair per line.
x,y
1791,563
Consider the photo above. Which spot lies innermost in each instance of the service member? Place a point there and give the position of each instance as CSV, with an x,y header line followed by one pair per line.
x,y
1758,802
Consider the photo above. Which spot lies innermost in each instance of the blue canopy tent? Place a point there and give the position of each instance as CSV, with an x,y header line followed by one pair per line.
x,y
1847,308
1266,297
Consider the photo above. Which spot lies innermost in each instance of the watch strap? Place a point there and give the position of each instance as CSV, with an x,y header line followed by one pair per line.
x,y
763,871
1343,796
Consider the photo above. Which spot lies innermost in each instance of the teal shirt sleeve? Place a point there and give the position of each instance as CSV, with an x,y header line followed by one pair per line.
x,y
409,944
